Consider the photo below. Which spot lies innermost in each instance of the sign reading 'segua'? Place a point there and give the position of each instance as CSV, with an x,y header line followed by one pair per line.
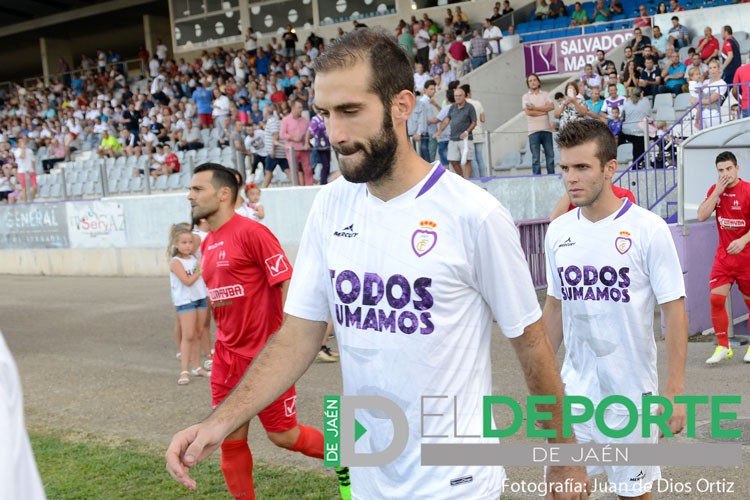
x,y
566,55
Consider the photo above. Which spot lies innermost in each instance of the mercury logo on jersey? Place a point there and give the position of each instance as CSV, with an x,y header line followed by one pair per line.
x,y
731,224
591,283
347,232
360,302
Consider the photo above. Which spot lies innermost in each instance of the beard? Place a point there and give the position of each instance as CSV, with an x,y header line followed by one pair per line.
x,y
378,156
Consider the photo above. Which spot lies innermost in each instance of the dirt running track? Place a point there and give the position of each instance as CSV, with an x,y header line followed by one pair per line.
x,y
97,355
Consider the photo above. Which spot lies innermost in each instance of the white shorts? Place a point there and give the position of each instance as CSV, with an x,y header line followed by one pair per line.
x,y
627,480
456,149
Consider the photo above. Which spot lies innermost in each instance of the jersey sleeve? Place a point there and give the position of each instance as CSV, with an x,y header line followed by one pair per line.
x,y
665,271
554,285
710,190
308,292
263,246
502,274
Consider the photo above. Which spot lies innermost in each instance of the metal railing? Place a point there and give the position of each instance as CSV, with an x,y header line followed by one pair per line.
x,y
128,66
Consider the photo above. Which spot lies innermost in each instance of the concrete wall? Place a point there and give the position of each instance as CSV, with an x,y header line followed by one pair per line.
x,y
127,236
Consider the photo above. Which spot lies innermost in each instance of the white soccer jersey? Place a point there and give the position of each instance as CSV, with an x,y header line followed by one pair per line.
x,y
412,285
607,274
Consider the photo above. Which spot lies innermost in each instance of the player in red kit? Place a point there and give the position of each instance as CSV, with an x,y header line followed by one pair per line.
x,y
730,197
247,275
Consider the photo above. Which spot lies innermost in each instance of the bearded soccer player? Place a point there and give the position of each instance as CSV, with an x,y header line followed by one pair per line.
x,y
412,284
607,261
730,198
247,275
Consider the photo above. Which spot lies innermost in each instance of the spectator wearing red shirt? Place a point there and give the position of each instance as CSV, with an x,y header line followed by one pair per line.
x,y
643,20
742,75
708,47
675,6
171,162
458,55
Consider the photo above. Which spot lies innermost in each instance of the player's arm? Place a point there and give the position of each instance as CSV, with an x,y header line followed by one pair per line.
x,y
676,322
707,207
282,361
552,320
543,377
284,291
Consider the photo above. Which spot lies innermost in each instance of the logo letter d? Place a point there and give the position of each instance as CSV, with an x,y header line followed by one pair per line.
x,y
400,431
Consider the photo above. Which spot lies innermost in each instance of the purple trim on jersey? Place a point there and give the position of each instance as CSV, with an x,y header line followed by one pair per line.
x,y
624,209
579,214
439,171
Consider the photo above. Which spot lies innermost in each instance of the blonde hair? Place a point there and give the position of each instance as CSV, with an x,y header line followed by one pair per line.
x,y
692,71
174,234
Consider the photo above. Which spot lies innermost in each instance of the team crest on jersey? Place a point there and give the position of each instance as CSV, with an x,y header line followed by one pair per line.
x,y
424,239
623,242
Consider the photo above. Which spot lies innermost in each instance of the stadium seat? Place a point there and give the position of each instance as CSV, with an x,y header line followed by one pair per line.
x,y
682,101
173,182
44,190
55,190
136,185
741,35
75,189
663,101
161,183
625,153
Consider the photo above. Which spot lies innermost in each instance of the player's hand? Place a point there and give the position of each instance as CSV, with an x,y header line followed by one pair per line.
x,y
578,488
722,183
189,447
736,247
677,421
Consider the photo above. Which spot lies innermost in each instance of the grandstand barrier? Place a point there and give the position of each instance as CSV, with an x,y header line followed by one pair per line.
x,y
126,236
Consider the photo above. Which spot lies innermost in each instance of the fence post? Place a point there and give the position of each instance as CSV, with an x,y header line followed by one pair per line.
x,y
64,184
103,178
293,167
488,141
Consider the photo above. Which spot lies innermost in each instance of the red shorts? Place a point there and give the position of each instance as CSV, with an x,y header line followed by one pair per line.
x,y
206,119
226,372
726,272
22,179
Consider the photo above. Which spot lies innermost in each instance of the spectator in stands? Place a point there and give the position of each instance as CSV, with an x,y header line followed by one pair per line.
x,y
580,17
477,163
537,105
675,6
595,106
613,100
493,35
507,9
662,8
444,138
678,34
542,10
420,77
556,9
462,119
294,133
730,53
590,79
406,41
614,123
55,154
637,44
742,75
708,47
130,143
643,20
171,164
290,42
496,14
700,65
601,12
202,98
422,43
612,79
478,48
573,107
650,78
635,110
659,43
458,55
714,90
190,138
628,57
10,191
673,76
460,22
615,8
448,75
109,147
600,63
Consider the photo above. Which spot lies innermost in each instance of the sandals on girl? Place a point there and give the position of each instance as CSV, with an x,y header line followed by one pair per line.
x,y
184,378
200,372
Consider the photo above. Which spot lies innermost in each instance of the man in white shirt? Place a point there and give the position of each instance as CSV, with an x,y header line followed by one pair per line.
x,y
369,238
422,44
492,34
608,261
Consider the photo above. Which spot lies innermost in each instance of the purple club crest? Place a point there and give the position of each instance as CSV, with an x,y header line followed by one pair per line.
x,y
623,244
424,240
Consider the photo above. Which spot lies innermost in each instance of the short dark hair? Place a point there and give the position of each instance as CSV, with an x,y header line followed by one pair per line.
x,y
221,177
726,156
650,58
453,85
429,82
449,96
728,29
392,70
675,18
580,132
466,88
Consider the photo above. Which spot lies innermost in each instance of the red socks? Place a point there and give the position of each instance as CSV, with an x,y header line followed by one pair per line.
x,y
720,319
237,466
309,442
